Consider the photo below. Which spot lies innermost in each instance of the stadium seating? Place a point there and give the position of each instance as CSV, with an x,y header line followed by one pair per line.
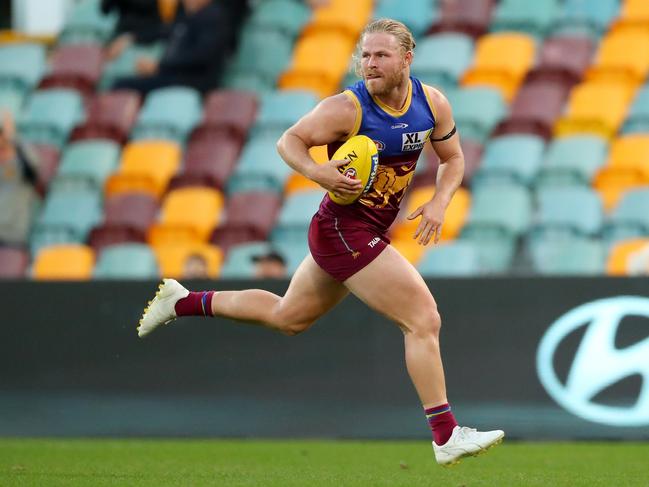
x,y
630,218
471,17
235,111
86,24
575,210
511,158
77,67
570,256
453,259
88,163
280,109
637,120
441,59
628,257
295,216
259,168
238,263
13,262
477,110
572,160
19,206
64,262
171,258
520,15
417,15
126,261
285,16
622,55
125,64
592,18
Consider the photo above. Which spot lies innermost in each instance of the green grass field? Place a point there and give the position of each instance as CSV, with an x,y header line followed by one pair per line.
x,y
313,463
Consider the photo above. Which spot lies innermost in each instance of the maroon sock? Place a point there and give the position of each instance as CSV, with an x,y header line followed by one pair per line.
x,y
441,422
195,304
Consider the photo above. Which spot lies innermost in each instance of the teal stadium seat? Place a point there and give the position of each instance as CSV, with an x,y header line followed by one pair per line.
x,y
126,261
260,168
535,17
87,163
125,64
417,15
590,17
21,68
568,210
568,256
499,215
285,16
572,160
441,59
637,120
281,109
477,110
511,158
450,259
238,262
86,23
295,216
50,115
630,218
262,54
67,217
168,114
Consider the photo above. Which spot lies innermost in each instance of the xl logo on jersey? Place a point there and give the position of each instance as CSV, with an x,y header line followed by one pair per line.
x,y
414,140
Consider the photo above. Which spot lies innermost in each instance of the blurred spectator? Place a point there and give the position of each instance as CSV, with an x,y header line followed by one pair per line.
x,y
138,22
269,265
18,180
195,53
195,267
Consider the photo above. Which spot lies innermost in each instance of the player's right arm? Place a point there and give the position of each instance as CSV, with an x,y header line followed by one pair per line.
x,y
330,121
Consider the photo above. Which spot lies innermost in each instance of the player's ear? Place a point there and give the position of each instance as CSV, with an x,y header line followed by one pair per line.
x,y
408,57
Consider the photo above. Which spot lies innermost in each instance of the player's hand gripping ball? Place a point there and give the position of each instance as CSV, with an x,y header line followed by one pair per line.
x,y
363,159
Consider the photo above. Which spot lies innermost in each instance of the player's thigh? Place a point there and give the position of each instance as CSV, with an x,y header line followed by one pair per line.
x,y
311,293
393,287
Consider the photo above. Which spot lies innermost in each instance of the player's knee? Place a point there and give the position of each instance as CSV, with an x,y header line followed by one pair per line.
x,y
428,323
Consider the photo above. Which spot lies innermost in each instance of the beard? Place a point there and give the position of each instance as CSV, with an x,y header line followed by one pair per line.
x,y
385,84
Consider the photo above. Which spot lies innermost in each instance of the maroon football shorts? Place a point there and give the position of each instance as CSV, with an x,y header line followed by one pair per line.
x,y
343,246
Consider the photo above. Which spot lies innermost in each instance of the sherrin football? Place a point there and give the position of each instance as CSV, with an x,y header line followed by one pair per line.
x,y
363,158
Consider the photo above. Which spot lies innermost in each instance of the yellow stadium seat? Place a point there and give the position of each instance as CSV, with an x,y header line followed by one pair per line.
x,y
167,9
501,61
595,107
188,215
146,166
342,15
172,258
320,61
410,249
64,262
622,254
633,13
623,55
454,219
296,182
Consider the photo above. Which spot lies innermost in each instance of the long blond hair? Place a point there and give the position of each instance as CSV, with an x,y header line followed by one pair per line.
x,y
388,26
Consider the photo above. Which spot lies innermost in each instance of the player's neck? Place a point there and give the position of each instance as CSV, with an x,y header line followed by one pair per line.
x,y
397,97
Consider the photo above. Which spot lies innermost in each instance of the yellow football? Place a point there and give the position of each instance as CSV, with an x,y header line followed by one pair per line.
x,y
363,158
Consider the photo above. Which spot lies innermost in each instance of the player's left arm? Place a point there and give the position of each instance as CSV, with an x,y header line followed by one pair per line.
x,y
446,143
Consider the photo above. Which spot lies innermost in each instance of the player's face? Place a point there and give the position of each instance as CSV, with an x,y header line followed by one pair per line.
x,y
383,63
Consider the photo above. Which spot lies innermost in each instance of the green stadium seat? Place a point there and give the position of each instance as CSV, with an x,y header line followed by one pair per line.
x,y
591,17
521,15
417,15
511,158
477,110
630,218
568,210
568,256
86,23
286,16
19,206
293,251
260,168
67,217
637,120
499,215
11,100
22,66
572,160
441,59
452,259
238,263
281,109
295,216
126,261
168,114
50,115
251,82
263,53
88,163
